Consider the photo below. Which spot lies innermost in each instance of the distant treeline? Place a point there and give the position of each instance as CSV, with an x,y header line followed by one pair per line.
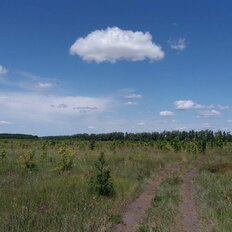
x,y
17,136
207,135
192,135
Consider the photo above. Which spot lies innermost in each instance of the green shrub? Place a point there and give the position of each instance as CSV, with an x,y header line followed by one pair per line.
x,y
3,155
27,160
65,159
101,181
92,145
202,146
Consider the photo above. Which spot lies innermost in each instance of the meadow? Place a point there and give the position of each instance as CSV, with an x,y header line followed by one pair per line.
x,y
47,184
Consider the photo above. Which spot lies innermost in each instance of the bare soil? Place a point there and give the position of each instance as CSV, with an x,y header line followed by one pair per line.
x,y
188,208
135,213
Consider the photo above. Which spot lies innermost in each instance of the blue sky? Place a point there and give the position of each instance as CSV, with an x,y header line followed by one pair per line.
x,y
70,66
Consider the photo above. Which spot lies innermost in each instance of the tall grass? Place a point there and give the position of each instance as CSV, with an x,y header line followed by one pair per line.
x,y
213,192
42,198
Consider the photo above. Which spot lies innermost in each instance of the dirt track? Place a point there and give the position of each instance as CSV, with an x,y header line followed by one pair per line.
x,y
136,211
189,218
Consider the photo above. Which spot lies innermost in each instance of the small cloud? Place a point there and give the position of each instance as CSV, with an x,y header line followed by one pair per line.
x,y
85,109
179,44
134,96
114,44
181,128
141,124
210,113
219,107
3,70
229,120
62,106
187,105
206,125
91,127
166,113
5,123
131,103
43,85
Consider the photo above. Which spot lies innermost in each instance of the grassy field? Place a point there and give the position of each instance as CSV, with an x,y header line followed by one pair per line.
x,y
35,195
44,185
213,192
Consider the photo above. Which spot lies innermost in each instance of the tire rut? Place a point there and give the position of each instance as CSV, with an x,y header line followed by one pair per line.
x,y
188,207
137,209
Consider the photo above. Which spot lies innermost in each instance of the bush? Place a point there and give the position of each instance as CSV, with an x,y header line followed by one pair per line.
x,y
27,161
3,155
101,181
65,159
92,145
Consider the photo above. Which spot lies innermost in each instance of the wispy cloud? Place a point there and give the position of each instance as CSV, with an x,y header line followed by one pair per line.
x,y
91,127
43,85
134,96
166,113
190,105
210,113
5,123
218,106
30,81
179,44
3,70
38,106
114,44
129,103
28,75
206,126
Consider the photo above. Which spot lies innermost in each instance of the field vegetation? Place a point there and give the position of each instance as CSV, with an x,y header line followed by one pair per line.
x,y
84,182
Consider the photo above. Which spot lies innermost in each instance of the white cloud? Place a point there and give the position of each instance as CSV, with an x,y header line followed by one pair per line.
x,y
210,113
218,106
187,105
179,44
115,44
141,124
3,70
50,107
131,103
229,120
183,128
134,95
166,113
206,125
43,85
5,123
91,127
190,105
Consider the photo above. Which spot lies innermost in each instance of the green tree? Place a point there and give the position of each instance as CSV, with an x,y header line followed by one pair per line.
x,y
101,181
